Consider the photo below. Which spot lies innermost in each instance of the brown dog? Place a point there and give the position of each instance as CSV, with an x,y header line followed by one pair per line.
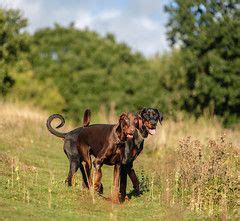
x,y
147,120
104,141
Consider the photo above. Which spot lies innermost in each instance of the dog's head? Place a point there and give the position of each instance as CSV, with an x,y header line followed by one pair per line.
x,y
150,117
127,125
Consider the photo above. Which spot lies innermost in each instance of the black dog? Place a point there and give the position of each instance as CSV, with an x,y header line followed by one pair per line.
x,y
69,148
150,118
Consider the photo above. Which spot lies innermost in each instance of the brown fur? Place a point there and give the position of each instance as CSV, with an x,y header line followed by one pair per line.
x,y
106,142
145,119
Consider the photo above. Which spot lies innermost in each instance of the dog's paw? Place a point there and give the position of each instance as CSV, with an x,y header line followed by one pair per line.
x,y
127,199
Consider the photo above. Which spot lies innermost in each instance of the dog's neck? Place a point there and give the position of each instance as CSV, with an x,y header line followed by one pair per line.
x,y
138,138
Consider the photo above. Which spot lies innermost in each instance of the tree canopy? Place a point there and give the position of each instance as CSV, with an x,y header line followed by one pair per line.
x,y
91,70
65,69
13,44
208,34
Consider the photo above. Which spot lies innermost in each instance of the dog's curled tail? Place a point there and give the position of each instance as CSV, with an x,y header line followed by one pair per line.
x,y
53,131
86,117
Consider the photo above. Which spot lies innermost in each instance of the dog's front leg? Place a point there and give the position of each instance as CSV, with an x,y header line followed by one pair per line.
x,y
136,185
116,183
123,182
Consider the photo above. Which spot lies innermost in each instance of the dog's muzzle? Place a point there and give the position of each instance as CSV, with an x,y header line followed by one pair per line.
x,y
152,130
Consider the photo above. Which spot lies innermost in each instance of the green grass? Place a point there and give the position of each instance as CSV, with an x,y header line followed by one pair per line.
x,y
33,169
37,189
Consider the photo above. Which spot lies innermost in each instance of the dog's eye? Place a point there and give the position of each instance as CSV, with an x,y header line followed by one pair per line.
x,y
146,116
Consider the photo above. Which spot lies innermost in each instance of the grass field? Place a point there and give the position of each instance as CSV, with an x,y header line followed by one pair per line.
x,y
189,170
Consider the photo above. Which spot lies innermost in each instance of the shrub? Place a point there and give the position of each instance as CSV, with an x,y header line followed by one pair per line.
x,y
207,175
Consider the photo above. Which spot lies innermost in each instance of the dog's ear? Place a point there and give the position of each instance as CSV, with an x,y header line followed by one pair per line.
x,y
121,122
160,116
123,119
139,121
144,110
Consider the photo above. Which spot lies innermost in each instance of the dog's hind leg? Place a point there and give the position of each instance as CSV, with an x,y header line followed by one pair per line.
x,y
86,162
84,177
70,150
97,181
72,170
87,166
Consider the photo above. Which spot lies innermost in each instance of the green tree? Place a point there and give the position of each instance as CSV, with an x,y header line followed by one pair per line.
x,y
90,70
13,44
208,34
171,73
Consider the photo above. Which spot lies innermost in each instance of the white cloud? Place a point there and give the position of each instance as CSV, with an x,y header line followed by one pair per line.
x,y
148,24
110,14
140,32
84,19
132,23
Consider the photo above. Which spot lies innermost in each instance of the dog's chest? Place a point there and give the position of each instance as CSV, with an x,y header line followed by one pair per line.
x,y
132,146
115,155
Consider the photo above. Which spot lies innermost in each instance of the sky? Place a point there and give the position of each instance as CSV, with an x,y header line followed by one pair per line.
x,y
139,23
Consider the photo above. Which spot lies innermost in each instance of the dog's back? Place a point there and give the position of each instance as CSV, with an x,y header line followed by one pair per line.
x,y
96,136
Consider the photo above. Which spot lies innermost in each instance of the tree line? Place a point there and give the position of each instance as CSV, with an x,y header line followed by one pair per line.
x,y
65,69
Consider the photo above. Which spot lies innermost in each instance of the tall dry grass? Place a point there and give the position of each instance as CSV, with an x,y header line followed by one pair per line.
x,y
207,175
203,129
199,166
169,134
194,165
190,165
